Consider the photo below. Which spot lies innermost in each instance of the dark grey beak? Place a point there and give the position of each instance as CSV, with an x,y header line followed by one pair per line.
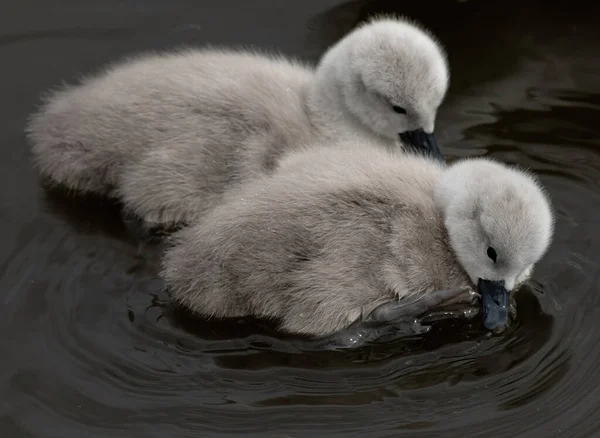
x,y
495,301
422,143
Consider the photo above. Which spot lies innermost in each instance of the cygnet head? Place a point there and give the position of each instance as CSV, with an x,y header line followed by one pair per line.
x,y
499,224
391,76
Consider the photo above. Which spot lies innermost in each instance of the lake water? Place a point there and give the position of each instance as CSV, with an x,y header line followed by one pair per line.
x,y
91,348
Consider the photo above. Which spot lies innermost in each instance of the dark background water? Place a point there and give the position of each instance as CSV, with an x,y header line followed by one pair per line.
x,y
90,348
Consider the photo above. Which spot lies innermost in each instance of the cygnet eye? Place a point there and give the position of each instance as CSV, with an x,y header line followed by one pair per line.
x,y
491,253
399,109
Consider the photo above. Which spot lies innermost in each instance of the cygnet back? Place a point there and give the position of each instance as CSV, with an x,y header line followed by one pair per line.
x,y
335,233
84,135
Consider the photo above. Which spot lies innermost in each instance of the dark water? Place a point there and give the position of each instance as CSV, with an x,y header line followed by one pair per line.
x,y
89,346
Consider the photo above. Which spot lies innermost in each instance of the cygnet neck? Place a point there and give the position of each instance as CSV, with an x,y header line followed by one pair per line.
x,y
450,190
325,104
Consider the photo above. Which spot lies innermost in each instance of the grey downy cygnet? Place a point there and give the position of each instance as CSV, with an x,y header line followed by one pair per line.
x,y
221,117
338,232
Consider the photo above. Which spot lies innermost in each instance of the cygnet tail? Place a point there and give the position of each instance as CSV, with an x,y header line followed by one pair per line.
x,y
69,146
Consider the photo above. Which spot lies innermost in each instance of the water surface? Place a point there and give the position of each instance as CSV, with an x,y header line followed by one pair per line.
x,y
91,348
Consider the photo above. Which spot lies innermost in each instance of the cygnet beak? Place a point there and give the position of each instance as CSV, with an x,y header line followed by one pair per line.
x,y
422,142
495,301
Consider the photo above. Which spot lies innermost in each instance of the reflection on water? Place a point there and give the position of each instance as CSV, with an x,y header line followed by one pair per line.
x,y
92,346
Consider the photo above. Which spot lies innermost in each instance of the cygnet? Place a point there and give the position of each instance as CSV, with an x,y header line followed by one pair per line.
x,y
239,111
339,231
